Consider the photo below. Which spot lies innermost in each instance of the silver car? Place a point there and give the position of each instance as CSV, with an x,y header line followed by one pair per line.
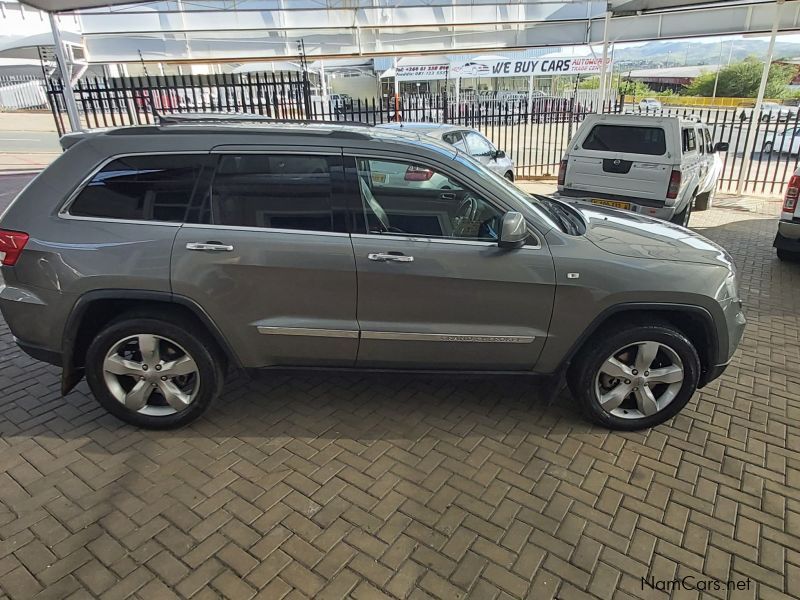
x,y
468,141
153,260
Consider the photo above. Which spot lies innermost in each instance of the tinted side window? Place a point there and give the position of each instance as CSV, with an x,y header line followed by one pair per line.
x,y
689,140
623,138
142,188
279,191
456,140
401,198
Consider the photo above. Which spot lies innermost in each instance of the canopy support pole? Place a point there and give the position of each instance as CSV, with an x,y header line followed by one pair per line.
x,y
66,80
602,99
751,139
458,100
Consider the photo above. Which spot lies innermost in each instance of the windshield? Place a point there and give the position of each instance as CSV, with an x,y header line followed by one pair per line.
x,y
554,216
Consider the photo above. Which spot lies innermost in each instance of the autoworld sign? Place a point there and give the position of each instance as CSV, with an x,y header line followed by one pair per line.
x,y
503,68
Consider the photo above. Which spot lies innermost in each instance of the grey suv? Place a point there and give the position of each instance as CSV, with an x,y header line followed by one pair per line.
x,y
155,259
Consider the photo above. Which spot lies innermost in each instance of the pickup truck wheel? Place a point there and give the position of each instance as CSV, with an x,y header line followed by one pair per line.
x,y
635,378
706,200
682,218
153,373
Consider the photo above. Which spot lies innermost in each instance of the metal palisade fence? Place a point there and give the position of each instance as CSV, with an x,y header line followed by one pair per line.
x,y
534,131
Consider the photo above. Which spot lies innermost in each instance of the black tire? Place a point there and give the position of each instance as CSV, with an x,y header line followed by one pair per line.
x,y
706,200
582,374
787,255
682,218
185,333
509,175
767,148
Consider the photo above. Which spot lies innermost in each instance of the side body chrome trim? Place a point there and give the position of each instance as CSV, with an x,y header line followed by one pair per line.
x,y
447,337
308,332
397,335
434,240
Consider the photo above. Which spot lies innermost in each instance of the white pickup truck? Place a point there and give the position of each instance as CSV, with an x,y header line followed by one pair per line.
x,y
660,166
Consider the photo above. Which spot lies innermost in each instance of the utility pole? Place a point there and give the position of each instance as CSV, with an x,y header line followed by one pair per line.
x,y
66,78
751,139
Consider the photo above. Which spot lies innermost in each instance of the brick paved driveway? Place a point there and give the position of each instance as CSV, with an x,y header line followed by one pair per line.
x,y
365,486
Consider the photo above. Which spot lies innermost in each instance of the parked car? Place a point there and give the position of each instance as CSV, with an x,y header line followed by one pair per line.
x,y
787,141
657,166
649,104
341,102
772,111
466,140
787,240
154,259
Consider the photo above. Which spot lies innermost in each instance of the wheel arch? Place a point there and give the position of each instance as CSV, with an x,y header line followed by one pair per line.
x,y
695,322
95,309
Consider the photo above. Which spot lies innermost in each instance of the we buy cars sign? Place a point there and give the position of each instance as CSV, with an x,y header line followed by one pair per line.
x,y
503,68
528,66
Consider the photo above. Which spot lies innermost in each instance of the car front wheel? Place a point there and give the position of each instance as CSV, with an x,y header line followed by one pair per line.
x,y
635,378
153,373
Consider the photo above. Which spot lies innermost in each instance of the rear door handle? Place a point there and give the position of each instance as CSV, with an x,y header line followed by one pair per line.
x,y
209,247
383,257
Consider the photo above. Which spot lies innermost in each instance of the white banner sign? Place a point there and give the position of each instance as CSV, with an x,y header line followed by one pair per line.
x,y
422,72
523,67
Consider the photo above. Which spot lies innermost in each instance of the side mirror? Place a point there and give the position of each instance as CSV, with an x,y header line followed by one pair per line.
x,y
721,147
498,154
513,231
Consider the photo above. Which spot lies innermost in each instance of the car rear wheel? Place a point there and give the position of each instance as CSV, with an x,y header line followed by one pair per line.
x,y
636,378
682,218
706,200
153,373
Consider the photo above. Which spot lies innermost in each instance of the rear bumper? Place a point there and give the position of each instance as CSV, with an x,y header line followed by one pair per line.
x,y
785,243
40,353
789,230
642,206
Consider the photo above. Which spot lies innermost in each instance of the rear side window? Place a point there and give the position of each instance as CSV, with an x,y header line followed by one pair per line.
x,y
624,138
277,191
141,188
689,140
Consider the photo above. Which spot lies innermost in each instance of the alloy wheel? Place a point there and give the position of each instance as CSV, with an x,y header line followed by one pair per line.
x,y
151,375
639,380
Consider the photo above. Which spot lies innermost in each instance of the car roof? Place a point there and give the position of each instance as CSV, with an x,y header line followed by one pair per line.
x,y
214,134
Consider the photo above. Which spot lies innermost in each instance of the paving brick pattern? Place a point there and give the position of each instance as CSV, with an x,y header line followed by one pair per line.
x,y
332,486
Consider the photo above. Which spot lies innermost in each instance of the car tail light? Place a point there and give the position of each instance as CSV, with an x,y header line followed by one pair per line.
x,y
11,246
562,172
674,184
414,173
792,193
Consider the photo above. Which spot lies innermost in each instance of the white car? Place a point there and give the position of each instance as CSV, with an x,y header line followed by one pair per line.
x,y
464,139
653,165
649,104
772,111
787,141
787,240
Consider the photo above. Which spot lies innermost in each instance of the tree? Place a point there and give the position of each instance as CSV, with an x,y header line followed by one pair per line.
x,y
740,80
626,87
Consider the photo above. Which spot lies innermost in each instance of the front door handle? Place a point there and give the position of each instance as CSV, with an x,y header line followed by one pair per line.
x,y
383,257
209,247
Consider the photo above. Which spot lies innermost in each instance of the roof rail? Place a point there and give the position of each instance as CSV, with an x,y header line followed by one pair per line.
x,y
208,117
